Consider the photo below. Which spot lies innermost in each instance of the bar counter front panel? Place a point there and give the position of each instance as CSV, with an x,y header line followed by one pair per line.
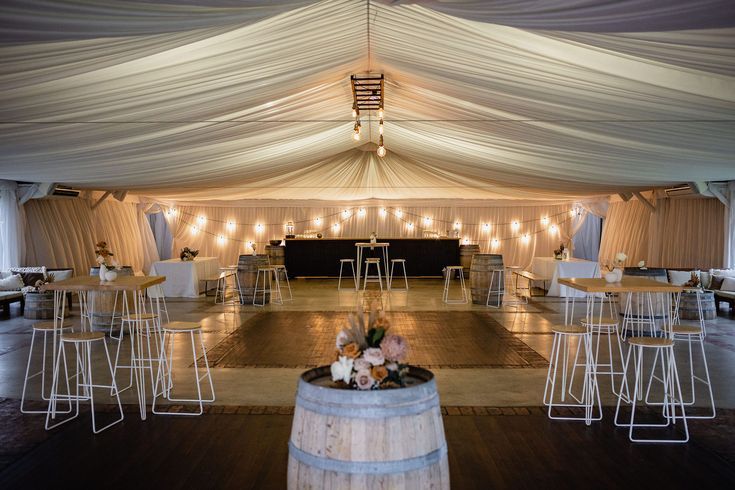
x,y
319,257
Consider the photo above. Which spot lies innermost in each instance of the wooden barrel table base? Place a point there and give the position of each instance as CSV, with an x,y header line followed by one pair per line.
x,y
352,439
481,276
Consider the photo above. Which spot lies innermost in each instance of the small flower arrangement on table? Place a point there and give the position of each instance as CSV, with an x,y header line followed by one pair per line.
x,y
559,252
368,358
615,269
105,258
188,254
36,287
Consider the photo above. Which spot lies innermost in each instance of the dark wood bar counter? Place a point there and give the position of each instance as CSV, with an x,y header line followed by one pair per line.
x,y
319,257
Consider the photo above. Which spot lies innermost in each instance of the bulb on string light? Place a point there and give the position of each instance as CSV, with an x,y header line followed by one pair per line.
x,y
361,212
381,113
381,148
457,225
221,239
553,229
383,212
346,213
410,226
258,228
202,220
336,226
427,220
194,230
486,227
317,221
545,221
515,225
572,212
171,212
380,127
495,242
525,238
466,241
230,226
399,213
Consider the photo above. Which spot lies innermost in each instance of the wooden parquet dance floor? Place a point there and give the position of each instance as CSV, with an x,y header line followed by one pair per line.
x,y
438,340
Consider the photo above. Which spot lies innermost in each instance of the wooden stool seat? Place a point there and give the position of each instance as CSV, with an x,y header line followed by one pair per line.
x,y
82,336
49,325
650,341
346,260
686,330
397,260
569,329
373,260
141,317
604,321
181,326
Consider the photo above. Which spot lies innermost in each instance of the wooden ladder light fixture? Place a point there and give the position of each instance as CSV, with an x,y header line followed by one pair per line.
x,y
368,95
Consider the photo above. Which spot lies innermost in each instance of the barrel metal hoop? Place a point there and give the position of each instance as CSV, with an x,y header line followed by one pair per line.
x,y
367,467
357,398
370,412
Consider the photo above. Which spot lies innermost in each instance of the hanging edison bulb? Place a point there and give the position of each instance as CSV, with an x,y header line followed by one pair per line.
x,y
380,128
381,113
356,134
354,111
381,148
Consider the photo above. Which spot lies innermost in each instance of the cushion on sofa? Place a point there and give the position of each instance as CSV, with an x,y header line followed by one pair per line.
x,y
12,283
679,278
705,278
723,272
60,275
716,282
30,274
728,284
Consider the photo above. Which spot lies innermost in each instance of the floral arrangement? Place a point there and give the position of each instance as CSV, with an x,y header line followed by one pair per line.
x,y
693,281
105,257
559,252
642,265
188,254
367,357
618,262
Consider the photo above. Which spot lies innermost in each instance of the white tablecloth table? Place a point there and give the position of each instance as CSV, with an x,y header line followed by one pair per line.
x,y
183,277
556,269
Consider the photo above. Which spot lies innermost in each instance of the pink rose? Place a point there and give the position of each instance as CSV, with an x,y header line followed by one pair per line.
x,y
374,356
361,363
364,380
394,348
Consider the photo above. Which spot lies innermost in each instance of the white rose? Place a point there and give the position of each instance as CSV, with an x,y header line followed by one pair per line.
x,y
100,259
341,339
642,263
342,369
621,257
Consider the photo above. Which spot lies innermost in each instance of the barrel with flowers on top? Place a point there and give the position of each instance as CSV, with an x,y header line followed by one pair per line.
x,y
368,420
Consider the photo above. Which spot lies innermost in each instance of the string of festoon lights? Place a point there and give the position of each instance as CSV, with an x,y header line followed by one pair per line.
x,y
548,223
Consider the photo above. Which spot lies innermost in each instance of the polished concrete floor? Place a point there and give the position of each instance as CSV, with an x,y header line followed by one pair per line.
x,y
274,384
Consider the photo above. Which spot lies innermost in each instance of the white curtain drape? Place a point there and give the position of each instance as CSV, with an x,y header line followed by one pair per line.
x,y
63,233
252,101
685,233
587,239
226,232
729,252
12,219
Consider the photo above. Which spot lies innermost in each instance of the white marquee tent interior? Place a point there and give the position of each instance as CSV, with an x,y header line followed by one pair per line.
x,y
240,112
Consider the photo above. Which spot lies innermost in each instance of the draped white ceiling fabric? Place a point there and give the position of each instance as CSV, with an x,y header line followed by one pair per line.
x,y
224,99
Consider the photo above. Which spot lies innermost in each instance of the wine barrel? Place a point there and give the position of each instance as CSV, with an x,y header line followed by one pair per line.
x,y
465,257
277,256
247,271
481,275
640,310
102,303
688,306
352,439
39,306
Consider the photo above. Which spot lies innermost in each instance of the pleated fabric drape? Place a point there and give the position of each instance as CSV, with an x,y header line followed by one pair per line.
x,y
227,232
12,223
680,233
63,233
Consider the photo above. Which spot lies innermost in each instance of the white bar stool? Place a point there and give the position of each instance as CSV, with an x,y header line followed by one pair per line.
x,y
280,268
368,278
401,262
689,334
45,327
590,391
450,270
170,330
220,293
497,279
140,326
342,262
82,342
670,380
268,273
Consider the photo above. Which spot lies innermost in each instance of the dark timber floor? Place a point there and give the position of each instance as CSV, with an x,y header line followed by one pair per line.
x,y
488,448
438,339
